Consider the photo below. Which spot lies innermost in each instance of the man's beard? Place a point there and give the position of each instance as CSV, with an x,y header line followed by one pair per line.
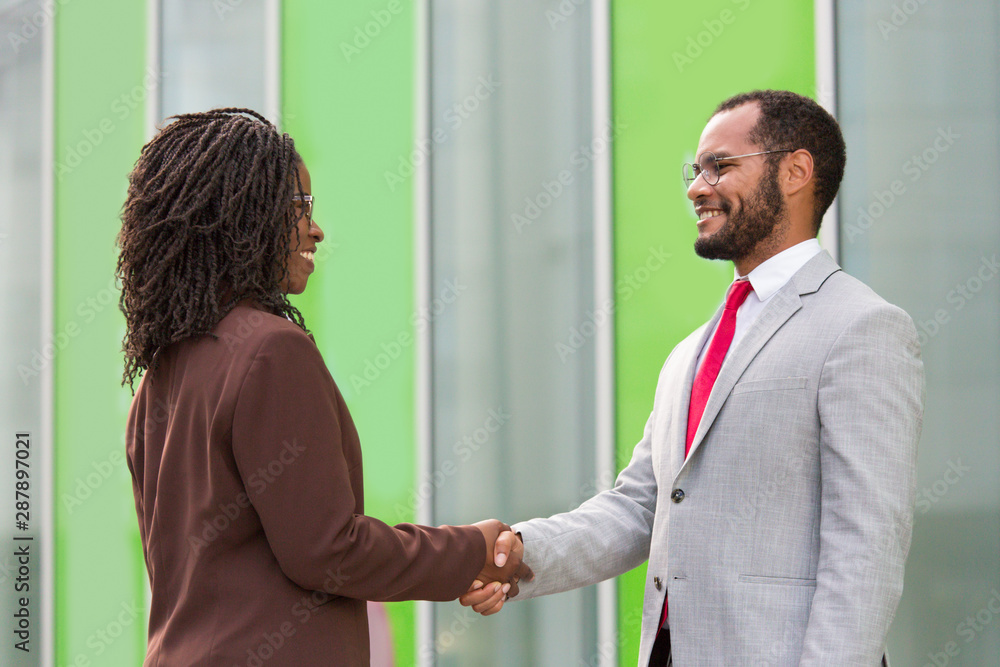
x,y
746,232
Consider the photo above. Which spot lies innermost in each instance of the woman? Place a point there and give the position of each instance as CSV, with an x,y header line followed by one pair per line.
x,y
249,495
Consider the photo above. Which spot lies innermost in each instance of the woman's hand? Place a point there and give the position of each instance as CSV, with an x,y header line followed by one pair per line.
x,y
503,570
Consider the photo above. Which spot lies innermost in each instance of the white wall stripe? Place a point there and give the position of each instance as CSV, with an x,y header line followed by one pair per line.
x,y
423,348
272,63
604,375
154,111
154,62
45,442
825,21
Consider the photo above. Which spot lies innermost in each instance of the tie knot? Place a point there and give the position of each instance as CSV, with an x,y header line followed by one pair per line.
x,y
738,293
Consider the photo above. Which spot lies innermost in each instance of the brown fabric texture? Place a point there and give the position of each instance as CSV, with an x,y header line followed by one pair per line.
x,y
247,475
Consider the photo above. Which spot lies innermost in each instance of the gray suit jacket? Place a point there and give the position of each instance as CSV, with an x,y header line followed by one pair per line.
x,y
782,537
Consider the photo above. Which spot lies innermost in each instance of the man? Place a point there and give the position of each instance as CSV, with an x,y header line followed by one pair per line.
x,y
772,491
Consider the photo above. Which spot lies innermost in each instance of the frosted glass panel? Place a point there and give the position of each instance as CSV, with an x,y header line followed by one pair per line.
x,y
513,229
26,356
919,101
213,55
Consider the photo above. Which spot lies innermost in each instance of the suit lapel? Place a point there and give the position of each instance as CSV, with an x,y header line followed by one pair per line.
x,y
679,417
779,309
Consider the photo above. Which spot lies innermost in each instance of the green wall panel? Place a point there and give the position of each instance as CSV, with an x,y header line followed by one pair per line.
x,y
348,101
672,64
100,91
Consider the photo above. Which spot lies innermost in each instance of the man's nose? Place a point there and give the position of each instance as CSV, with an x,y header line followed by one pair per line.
x,y
699,188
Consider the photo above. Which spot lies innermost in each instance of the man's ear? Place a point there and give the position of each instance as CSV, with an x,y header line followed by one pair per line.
x,y
796,171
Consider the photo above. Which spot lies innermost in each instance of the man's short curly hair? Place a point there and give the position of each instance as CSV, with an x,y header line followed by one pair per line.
x,y
789,120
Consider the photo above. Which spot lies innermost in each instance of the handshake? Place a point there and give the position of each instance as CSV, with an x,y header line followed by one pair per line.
x,y
497,582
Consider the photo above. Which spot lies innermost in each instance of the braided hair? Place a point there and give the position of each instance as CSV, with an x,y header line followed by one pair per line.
x,y
206,222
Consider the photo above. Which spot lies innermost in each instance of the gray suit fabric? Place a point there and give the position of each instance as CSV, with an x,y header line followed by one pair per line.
x,y
789,543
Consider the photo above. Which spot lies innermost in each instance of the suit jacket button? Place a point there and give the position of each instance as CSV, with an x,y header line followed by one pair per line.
x,y
677,495
657,583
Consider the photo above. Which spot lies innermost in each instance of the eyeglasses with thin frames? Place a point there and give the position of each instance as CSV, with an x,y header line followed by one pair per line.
x,y
707,165
306,201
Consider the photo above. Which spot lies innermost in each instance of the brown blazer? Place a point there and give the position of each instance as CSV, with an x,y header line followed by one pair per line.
x,y
246,468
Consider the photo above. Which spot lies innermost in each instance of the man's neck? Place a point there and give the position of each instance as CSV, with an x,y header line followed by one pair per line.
x,y
767,249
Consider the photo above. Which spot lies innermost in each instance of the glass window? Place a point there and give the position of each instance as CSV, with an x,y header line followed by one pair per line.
x,y
27,355
214,55
919,99
513,307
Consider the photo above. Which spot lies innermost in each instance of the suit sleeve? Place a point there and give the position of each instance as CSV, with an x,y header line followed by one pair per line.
x,y
602,538
871,413
288,449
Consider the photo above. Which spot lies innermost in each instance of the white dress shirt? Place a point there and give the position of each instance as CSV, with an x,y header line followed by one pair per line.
x,y
766,279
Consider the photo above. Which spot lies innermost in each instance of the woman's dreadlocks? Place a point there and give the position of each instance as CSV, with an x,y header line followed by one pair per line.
x,y
206,222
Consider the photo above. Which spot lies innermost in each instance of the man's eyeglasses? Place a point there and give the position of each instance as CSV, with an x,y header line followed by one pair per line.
x,y
305,202
707,165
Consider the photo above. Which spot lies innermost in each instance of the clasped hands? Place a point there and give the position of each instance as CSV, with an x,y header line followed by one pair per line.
x,y
503,569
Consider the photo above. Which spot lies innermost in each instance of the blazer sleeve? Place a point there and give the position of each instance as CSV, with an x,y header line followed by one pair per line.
x,y
287,443
602,538
871,412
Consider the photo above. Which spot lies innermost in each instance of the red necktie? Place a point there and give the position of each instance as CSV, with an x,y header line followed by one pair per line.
x,y
712,364
710,367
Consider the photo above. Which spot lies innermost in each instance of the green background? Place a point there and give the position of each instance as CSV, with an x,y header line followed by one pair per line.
x,y
352,116
664,108
99,571
352,119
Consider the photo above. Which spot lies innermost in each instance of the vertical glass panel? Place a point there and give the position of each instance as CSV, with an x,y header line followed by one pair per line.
x,y
213,55
26,356
919,101
513,311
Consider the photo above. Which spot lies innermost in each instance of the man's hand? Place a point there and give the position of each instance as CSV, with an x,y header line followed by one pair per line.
x,y
502,572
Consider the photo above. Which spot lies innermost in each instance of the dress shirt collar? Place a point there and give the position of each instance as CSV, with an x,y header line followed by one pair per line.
x,y
773,274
